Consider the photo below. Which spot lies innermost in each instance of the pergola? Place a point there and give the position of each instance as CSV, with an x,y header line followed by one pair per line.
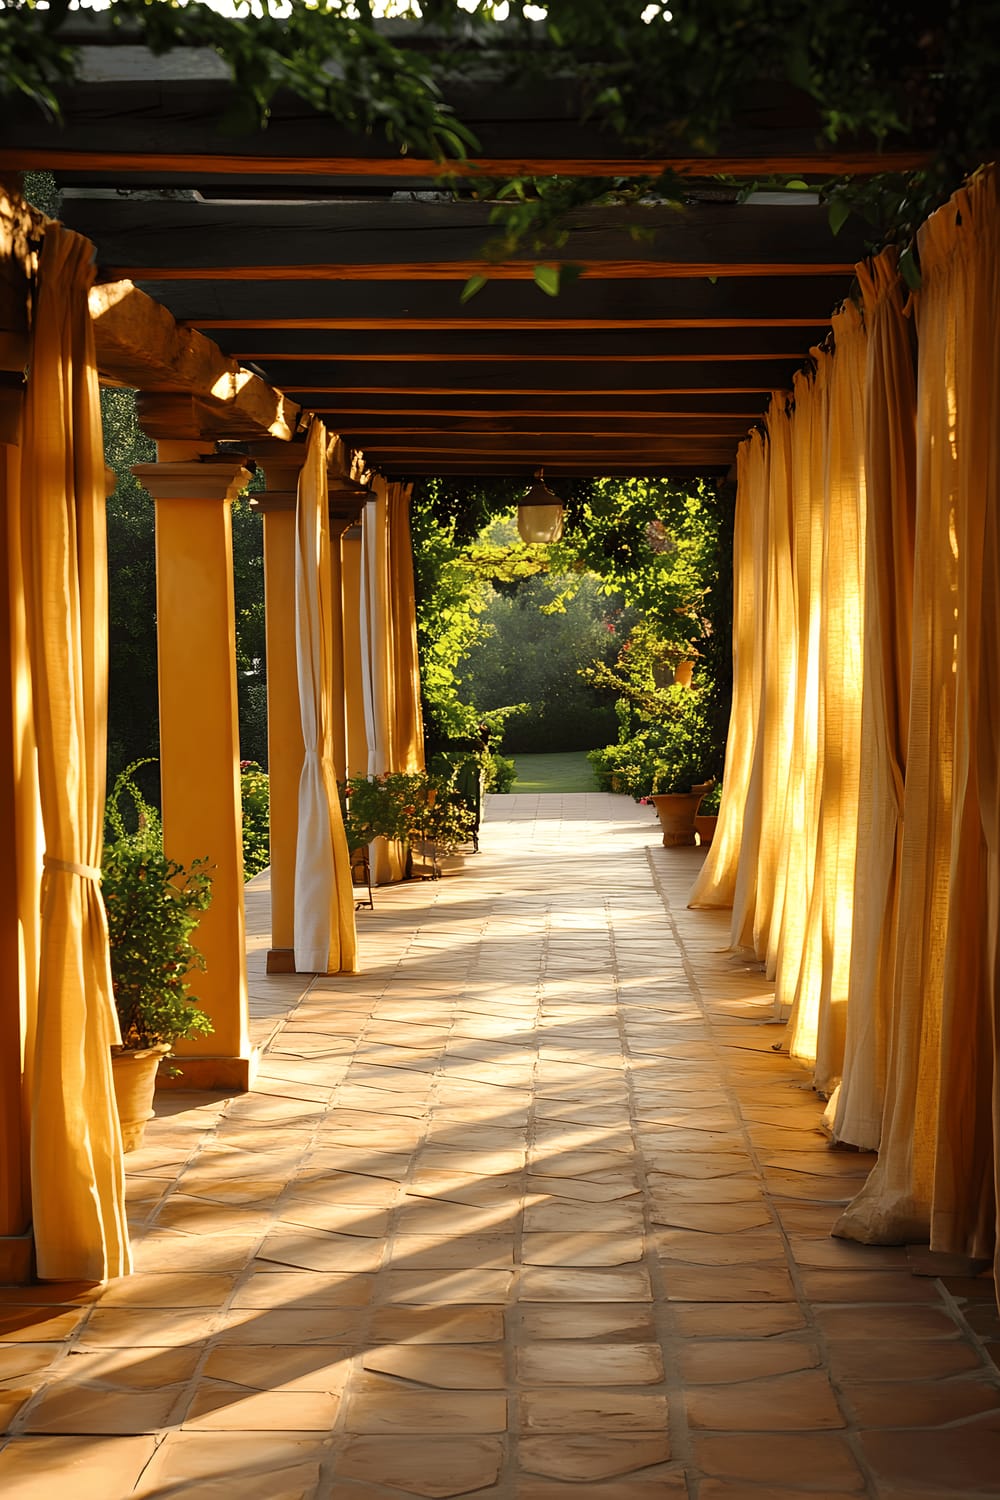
x,y
250,285
333,266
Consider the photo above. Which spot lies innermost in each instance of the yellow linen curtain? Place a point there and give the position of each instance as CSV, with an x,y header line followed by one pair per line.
x,y
800,825
817,1022
981,468
716,882
855,1115
390,637
778,694
796,710
745,892
388,855
938,991
28,838
354,653
325,938
76,1156
408,727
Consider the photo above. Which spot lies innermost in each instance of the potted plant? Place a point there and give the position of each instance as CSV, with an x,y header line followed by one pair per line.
x,y
423,812
444,818
153,905
680,754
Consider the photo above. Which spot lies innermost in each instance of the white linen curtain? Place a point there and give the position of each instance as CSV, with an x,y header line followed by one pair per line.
x,y
325,937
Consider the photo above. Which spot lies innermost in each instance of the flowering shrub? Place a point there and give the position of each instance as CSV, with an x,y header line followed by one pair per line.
x,y
407,806
255,793
671,753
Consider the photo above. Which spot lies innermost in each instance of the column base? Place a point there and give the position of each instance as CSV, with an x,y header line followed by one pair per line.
x,y
280,961
228,1075
17,1259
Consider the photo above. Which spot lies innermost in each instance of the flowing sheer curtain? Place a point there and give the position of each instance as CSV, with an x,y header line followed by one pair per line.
x,y
808,426
716,882
389,648
774,732
817,1020
983,355
880,908
798,700
76,1156
745,892
855,1115
324,935
408,725
937,1161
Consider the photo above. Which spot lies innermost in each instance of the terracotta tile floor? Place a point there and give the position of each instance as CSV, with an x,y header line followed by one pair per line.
x,y
529,1209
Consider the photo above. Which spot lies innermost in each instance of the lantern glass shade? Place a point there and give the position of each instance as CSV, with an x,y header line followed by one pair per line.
x,y
540,515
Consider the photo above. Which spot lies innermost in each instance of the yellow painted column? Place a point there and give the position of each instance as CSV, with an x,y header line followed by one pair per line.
x,y
20,872
354,703
199,737
338,693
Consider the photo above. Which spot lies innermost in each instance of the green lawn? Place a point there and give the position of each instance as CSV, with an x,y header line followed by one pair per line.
x,y
570,772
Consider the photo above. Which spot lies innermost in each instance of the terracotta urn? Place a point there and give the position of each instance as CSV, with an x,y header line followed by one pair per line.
x,y
134,1076
676,811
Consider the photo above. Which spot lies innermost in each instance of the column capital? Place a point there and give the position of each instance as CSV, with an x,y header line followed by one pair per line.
x,y
282,463
193,479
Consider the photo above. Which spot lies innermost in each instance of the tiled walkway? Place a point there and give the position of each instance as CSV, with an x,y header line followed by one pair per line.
x,y
530,1209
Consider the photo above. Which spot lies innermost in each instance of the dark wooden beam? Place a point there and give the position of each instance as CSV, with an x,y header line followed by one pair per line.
x,y
390,406
431,466
457,270
392,240
501,306
554,346
546,445
534,380
365,431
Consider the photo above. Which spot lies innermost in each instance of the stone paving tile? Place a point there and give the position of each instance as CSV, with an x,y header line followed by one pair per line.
x,y
529,1209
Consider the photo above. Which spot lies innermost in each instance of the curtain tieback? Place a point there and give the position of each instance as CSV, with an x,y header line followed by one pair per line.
x,y
71,867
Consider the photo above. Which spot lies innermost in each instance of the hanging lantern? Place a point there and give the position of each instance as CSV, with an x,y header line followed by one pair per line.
x,y
540,514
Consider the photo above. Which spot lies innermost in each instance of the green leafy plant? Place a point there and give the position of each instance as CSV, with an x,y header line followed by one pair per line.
x,y
153,906
255,795
501,773
671,752
712,800
407,806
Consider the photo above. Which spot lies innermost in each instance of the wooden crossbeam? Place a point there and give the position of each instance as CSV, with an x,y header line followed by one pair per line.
x,y
455,270
816,164
140,344
549,346
502,405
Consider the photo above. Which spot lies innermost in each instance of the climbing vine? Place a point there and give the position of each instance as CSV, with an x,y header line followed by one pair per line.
x,y
658,77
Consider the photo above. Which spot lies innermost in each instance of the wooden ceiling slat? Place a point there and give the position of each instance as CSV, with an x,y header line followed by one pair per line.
x,y
602,270
581,404
557,345
528,379
63,158
400,307
540,423
666,358
392,239
512,469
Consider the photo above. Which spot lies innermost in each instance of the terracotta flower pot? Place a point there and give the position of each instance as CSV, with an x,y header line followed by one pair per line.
x,y
135,1080
676,811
